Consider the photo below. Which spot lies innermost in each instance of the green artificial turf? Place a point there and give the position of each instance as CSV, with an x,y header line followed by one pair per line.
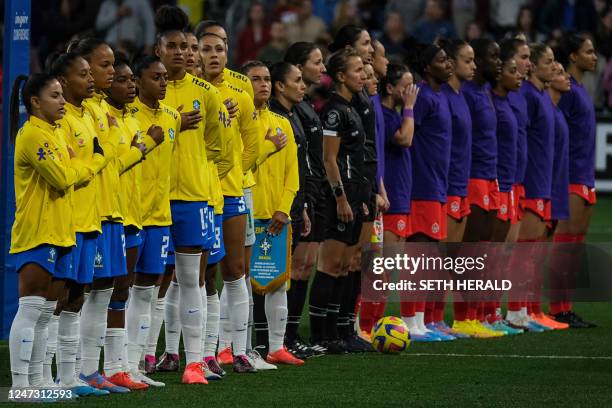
x,y
570,368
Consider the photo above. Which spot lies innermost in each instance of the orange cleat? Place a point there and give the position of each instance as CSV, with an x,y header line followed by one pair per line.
x,y
123,379
283,356
225,356
547,321
194,374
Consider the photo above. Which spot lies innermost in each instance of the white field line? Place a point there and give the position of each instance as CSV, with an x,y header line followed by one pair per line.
x,y
508,356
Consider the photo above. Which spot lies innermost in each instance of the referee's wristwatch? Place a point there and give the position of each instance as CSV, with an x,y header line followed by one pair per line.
x,y
338,190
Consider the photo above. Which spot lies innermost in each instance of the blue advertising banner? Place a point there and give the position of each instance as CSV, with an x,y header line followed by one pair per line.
x,y
271,258
16,61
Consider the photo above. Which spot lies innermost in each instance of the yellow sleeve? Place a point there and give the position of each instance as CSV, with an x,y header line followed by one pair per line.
x,y
110,144
249,131
266,149
226,159
40,153
129,158
96,164
216,113
292,176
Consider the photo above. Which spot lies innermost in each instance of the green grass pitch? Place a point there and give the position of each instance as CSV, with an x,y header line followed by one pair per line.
x,y
568,368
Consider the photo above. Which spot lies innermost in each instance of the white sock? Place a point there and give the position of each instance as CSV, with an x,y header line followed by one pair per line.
x,y
67,344
204,318
238,307
413,326
157,318
524,312
225,326
138,321
21,338
79,360
93,329
513,315
212,325
420,319
51,349
39,347
249,343
113,350
187,267
172,325
276,314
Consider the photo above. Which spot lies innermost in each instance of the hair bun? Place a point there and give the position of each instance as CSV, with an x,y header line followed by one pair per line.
x,y
171,18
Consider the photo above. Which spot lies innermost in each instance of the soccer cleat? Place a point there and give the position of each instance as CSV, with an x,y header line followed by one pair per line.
x,y
319,348
357,343
214,366
282,356
299,348
193,374
365,336
225,356
474,329
444,328
573,320
98,381
140,376
501,325
258,362
149,364
243,365
577,318
82,389
123,379
496,328
334,346
544,320
424,337
168,362
443,336
209,374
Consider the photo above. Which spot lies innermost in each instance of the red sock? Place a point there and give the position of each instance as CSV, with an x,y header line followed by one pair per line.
x,y
555,307
429,312
514,306
419,307
473,310
461,311
367,316
380,312
489,311
481,313
439,311
407,309
536,307
580,237
567,306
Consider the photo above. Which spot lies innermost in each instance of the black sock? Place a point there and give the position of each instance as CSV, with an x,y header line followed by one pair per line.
x,y
355,293
295,299
320,293
260,321
333,307
344,330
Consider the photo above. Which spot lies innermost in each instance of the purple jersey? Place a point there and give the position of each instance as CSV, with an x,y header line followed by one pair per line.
x,y
540,142
519,107
579,112
398,166
461,147
560,185
430,150
380,137
484,124
507,134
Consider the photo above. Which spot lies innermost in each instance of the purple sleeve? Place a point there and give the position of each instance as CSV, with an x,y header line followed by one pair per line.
x,y
566,103
380,138
421,110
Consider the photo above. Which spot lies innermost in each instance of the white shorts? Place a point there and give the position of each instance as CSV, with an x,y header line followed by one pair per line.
x,y
249,238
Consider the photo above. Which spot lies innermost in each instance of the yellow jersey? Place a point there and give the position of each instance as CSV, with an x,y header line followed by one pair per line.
x,y
238,80
156,169
78,130
277,178
189,179
130,172
244,141
109,193
44,179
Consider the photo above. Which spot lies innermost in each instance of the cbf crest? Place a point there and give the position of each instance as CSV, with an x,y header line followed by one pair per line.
x,y
196,104
171,134
265,247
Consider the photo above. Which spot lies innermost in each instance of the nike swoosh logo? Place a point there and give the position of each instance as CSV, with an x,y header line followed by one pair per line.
x,y
77,134
144,327
26,341
190,311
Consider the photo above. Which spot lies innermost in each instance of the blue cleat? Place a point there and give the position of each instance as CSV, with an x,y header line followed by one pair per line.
x,y
503,326
443,336
444,328
428,337
96,380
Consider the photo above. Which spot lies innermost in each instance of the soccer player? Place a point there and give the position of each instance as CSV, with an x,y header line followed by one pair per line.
x,y
431,144
309,59
276,199
104,308
245,146
343,153
203,122
397,90
193,63
579,112
43,231
348,285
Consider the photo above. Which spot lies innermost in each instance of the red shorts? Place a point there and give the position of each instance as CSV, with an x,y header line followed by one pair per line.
x,y
457,207
506,210
429,218
398,224
585,192
484,193
538,206
518,195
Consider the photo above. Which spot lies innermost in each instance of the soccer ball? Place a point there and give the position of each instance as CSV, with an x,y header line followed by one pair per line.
x,y
390,335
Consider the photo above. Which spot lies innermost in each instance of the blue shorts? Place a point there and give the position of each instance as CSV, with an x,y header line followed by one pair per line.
x,y
55,260
110,261
153,252
217,252
83,256
189,226
233,207
133,237
170,258
210,229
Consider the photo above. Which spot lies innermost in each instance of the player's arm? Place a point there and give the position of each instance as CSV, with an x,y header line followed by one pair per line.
x,y
226,159
249,131
110,141
216,113
403,136
292,175
95,163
